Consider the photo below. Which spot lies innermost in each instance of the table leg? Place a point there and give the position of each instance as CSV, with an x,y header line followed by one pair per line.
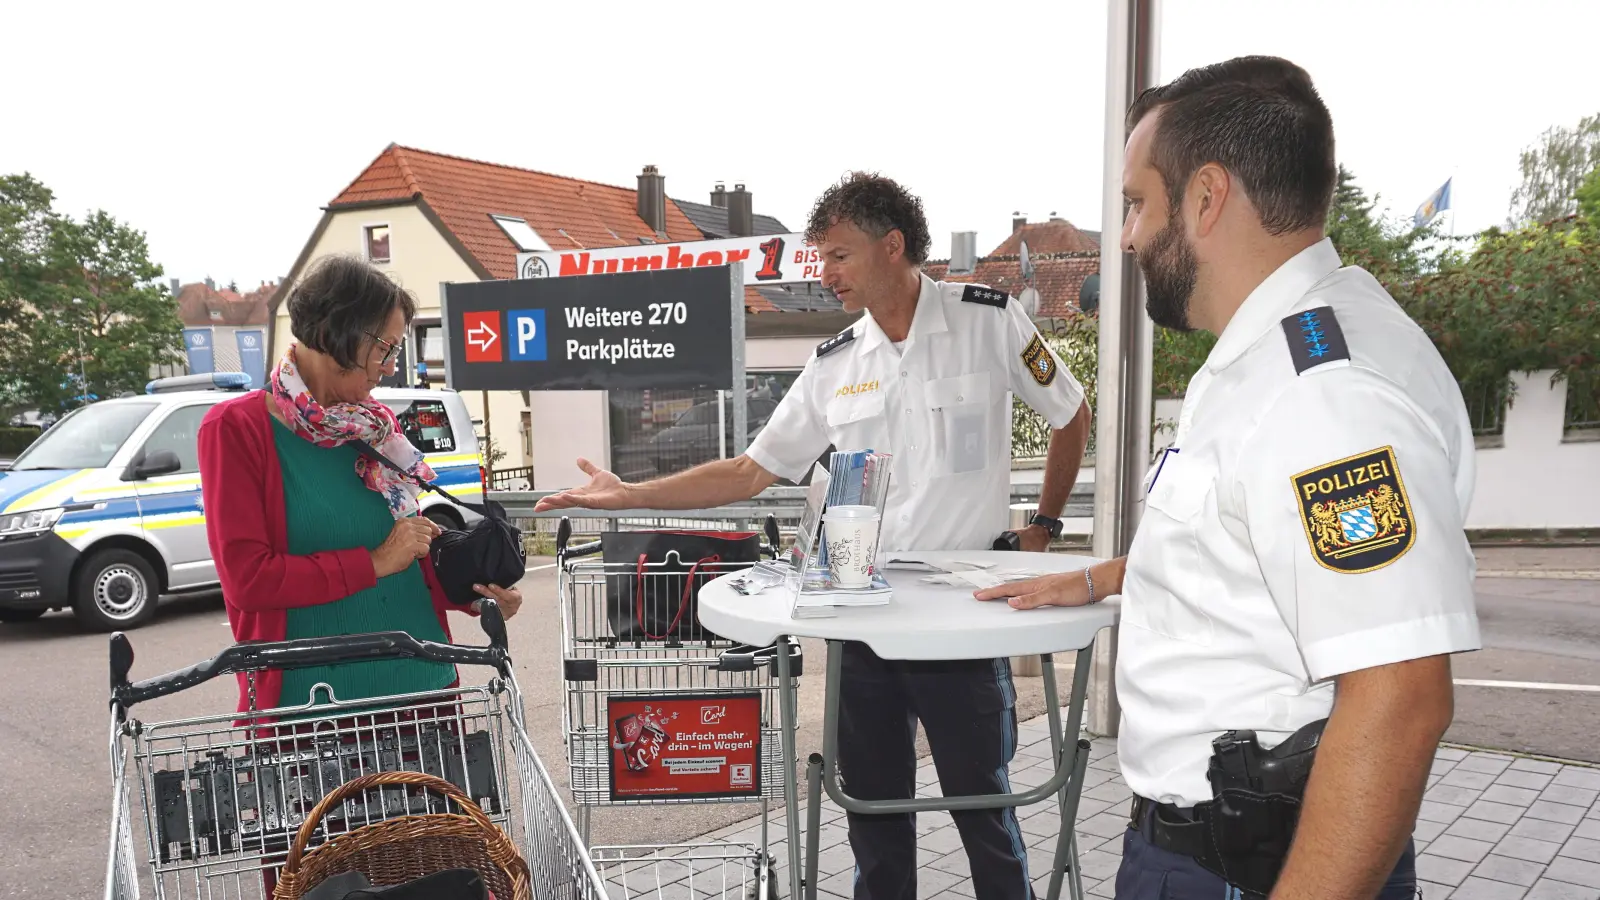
x,y
813,821
1075,759
791,812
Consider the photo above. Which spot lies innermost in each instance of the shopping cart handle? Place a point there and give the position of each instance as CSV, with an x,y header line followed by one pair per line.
x,y
746,657
254,656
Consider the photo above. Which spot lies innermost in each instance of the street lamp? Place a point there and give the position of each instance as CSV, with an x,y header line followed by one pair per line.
x,y
83,375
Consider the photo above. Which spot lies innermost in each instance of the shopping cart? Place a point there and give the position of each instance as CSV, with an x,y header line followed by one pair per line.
x,y
676,717
223,800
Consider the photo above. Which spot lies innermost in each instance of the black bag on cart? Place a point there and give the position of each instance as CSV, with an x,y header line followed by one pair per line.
x,y
653,578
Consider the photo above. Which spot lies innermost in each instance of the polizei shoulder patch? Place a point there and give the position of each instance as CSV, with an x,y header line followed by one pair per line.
x,y
835,342
1356,514
977,293
1314,338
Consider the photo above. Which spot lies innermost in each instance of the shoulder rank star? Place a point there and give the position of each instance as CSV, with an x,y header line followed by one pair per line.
x,y
1355,512
977,293
835,342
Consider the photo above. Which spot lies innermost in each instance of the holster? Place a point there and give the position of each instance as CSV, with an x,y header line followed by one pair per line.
x,y
1244,832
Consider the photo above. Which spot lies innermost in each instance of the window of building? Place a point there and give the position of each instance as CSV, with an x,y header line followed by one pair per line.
x,y
377,243
659,432
426,424
1582,419
521,234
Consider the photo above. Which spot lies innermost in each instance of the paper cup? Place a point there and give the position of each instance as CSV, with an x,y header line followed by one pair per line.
x,y
851,533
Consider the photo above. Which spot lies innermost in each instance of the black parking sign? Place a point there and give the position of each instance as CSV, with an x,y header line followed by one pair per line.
x,y
673,328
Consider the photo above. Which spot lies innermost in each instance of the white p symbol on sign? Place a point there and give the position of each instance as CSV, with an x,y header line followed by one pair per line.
x,y
530,343
527,328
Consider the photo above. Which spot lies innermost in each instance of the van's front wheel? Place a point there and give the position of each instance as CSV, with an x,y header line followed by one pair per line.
x,y
114,590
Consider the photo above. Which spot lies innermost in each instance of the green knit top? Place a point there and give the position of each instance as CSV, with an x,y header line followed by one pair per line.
x,y
328,507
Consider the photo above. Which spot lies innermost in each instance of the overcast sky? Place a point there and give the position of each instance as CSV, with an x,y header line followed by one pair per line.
x,y
221,129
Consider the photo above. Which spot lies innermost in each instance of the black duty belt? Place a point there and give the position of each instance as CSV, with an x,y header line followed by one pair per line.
x,y
1168,827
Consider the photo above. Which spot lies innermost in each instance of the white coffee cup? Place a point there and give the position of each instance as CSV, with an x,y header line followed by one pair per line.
x,y
851,535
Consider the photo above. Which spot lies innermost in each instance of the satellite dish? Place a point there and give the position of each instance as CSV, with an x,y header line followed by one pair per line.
x,y
1029,298
1089,293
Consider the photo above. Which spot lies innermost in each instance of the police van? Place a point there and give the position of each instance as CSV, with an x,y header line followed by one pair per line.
x,y
103,512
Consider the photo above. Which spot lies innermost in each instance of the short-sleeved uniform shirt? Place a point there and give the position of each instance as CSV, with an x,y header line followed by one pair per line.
x,y
940,403
1309,522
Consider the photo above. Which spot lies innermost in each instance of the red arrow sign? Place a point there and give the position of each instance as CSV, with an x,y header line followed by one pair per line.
x,y
482,332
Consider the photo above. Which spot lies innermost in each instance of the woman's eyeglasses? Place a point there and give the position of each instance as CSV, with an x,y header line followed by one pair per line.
x,y
391,352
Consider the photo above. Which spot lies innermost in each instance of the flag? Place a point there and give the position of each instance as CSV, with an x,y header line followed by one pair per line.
x,y
1437,202
1027,266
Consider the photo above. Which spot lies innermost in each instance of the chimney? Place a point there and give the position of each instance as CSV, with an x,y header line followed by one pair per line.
x,y
1017,221
1055,218
719,196
653,199
963,252
741,221
176,287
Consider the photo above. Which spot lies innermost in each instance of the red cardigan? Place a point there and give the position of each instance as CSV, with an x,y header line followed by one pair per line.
x,y
242,488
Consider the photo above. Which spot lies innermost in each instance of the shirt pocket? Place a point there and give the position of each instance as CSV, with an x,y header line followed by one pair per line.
x,y
856,423
960,408
1175,520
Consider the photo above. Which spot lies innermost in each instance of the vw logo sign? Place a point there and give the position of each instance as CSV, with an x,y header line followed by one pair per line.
x,y
534,267
198,340
249,340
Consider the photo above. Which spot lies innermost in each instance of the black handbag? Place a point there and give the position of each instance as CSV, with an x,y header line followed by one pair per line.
x,y
490,551
654,578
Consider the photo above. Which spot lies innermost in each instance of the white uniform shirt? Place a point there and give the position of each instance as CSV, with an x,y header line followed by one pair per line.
x,y
1310,523
941,403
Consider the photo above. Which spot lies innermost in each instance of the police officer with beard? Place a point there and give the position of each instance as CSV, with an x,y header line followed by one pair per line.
x,y
1300,575
927,375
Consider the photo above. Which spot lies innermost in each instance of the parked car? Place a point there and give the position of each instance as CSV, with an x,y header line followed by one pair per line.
x,y
103,512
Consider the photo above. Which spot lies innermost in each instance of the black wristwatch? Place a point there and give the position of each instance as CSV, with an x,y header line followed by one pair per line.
x,y
1053,526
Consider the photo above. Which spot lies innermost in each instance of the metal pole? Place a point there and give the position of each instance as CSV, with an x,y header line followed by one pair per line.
x,y
741,405
1122,438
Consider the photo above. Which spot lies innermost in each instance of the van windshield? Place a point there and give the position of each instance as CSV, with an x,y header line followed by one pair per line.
x,y
86,439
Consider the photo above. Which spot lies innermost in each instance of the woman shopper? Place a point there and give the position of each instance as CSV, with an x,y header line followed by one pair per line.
x,y
311,538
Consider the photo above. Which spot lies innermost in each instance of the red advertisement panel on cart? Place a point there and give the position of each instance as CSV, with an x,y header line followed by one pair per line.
x,y
703,746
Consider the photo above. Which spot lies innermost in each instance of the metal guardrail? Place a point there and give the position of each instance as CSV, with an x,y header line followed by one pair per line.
x,y
785,504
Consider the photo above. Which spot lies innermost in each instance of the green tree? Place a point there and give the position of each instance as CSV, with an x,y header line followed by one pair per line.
x,y
1552,172
84,303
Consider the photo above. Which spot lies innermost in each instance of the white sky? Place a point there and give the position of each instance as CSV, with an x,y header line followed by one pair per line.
x,y
222,129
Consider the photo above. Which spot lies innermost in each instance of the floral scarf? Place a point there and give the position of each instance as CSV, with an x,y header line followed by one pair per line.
x,y
339,423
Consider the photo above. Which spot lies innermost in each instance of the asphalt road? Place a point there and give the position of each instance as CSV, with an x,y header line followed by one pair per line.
x,y
54,770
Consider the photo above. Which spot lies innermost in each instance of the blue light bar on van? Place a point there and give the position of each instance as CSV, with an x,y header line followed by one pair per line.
x,y
213,381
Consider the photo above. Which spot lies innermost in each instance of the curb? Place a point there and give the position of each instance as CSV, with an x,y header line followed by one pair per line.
x,y
1517,754
1561,574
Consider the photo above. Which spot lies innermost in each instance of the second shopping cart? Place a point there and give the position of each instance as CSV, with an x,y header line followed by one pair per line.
x,y
661,712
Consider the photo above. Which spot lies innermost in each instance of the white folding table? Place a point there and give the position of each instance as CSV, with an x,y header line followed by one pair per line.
x,y
925,622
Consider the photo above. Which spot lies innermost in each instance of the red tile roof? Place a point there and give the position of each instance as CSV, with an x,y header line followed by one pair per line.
x,y
196,302
567,212
1054,236
1058,276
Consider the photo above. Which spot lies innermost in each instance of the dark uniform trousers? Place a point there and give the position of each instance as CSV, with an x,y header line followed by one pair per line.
x,y
967,709
1149,872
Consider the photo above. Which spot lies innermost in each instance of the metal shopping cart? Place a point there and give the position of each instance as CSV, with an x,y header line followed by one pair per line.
x,y
225,802
660,712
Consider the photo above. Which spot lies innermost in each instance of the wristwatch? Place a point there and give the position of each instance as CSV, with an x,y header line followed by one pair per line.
x,y
1053,526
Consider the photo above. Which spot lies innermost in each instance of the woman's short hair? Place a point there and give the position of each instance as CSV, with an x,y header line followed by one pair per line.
x,y
340,304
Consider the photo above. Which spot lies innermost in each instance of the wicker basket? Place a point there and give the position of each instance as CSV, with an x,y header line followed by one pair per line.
x,y
405,848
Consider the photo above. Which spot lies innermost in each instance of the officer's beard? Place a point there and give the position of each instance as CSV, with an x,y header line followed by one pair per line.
x,y
1170,272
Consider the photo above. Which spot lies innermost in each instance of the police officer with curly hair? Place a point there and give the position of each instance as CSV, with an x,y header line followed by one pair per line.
x,y
927,374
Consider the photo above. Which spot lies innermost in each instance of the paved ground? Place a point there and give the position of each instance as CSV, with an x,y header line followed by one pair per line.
x,y
1492,827
54,771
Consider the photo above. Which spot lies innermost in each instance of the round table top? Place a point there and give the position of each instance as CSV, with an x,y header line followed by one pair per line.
x,y
921,621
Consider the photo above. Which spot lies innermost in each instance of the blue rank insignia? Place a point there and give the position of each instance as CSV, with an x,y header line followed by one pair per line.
x,y
1037,360
1314,338
1355,512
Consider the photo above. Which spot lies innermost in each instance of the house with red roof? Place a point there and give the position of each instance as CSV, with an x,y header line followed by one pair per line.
x,y
428,218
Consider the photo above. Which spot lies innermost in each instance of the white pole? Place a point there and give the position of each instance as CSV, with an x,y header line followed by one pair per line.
x,y
1122,435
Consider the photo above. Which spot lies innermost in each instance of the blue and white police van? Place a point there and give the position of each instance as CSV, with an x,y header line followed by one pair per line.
x,y
103,512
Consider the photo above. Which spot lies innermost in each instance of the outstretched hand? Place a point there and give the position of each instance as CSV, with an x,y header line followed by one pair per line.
x,y
1065,589
604,491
